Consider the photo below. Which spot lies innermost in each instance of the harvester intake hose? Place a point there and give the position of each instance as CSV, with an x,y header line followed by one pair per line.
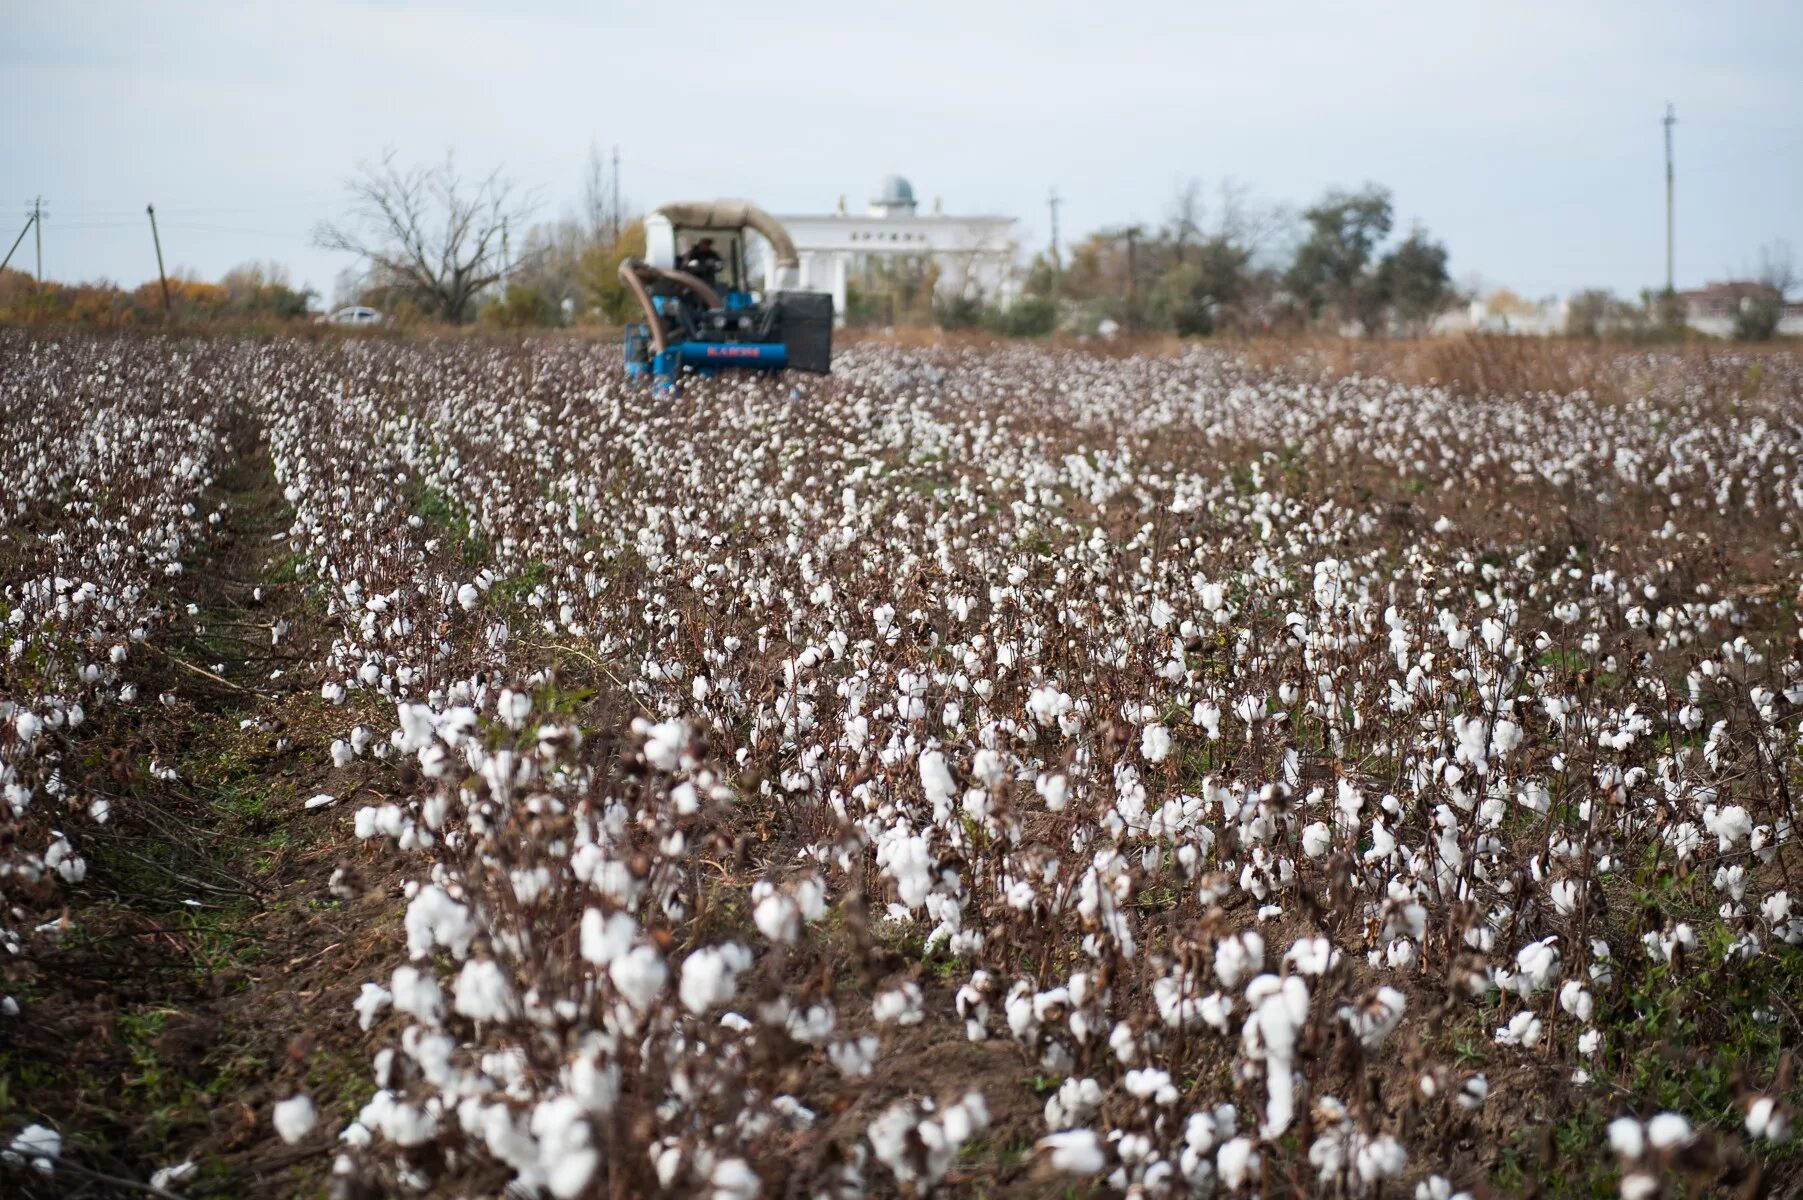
x,y
633,271
629,275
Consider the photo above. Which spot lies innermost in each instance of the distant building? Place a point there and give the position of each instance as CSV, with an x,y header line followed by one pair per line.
x,y
974,255
1505,312
1714,308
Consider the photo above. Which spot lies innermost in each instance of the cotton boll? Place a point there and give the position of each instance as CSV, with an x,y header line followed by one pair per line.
x,y
1074,1152
1155,743
38,1145
566,1156
709,976
1237,1163
370,1002
899,1006
482,992
640,975
1627,1137
733,1179
1765,1119
1667,1131
294,1118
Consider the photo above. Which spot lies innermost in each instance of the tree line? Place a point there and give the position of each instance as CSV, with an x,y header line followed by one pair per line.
x,y
436,244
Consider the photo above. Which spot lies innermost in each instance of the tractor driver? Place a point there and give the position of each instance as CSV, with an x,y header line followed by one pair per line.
x,y
703,261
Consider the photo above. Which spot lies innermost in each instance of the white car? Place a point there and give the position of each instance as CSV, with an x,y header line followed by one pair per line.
x,y
357,314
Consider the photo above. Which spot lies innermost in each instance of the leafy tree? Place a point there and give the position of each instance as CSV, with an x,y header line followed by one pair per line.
x,y
1412,280
1757,320
1759,315
522,306
1330,272
599,274
958,312
1207,293
1029,316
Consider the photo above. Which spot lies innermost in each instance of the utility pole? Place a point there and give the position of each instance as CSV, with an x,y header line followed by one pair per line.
x,y
616,174
1052,202
30,220
158,242
1132,279
504,264
1671,118
37,232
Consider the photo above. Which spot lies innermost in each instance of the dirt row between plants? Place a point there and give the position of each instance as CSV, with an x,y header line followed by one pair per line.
x,y
205,968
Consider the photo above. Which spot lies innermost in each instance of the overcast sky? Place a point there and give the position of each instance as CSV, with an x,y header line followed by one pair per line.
x,y
1524,135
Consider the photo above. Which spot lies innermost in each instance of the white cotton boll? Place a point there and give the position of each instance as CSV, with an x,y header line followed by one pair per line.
x,y
640,975
1380,1158
965,1119
1053,789
665,744
1311,956
1627,1137
1505,737
1239,956
606,937
1731,826
1667,1131
1075,1103
1317,839
1766,1120
1473,1092
733,1179
370,1002
38,1143
899,1006
1075,1152
709,976
1575,999
774,914
1237,1163
565,1151
481,991
1155,743
294,1118
513,708
1522,1030
341,753
468,597
168,1177
854,1059
417,993
434,919
936,778
1639,1185
1151,1083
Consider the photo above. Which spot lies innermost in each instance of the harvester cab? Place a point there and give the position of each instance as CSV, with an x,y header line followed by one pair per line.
x,y
701,312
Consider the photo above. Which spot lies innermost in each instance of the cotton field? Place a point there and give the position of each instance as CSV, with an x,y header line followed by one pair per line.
x,y
986,771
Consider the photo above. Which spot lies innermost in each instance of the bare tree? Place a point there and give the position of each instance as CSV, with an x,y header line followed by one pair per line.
x,y
1777,270
598,189
1184,221
428,234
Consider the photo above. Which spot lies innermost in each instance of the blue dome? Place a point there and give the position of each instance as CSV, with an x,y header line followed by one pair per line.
x,y
895,191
